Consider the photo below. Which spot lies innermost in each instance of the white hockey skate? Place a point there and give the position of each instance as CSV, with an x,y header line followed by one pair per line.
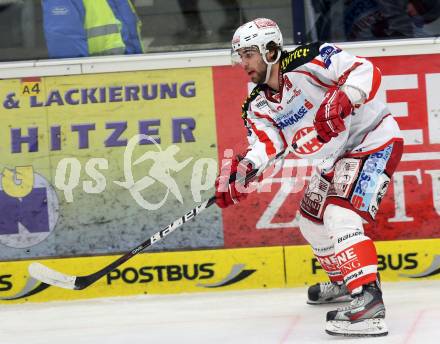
x,y
328,292
364,317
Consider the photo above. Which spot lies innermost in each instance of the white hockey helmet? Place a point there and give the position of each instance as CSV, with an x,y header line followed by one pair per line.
x,y
257,33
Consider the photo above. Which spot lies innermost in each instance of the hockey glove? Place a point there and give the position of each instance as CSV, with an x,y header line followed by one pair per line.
x,y
231,193
329,119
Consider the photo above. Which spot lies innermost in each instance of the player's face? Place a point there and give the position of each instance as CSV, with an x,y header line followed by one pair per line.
x,y
253,64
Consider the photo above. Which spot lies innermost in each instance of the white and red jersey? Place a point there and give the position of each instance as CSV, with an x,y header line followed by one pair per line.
x,y
274,121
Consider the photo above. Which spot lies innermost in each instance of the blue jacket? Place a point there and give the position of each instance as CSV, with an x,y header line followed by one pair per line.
x,y
63,22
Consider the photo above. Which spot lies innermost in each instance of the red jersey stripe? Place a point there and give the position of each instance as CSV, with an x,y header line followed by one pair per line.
x,y
318,63
314,77
262,136
377,78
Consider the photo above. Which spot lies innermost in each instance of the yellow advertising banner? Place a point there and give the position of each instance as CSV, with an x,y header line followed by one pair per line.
x,y
397,260
211,270
153,273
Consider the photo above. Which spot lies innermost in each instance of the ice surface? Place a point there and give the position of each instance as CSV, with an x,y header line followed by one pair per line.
x,y
258,316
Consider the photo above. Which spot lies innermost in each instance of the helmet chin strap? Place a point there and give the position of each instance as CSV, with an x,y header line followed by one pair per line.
x,y
269,65
268,70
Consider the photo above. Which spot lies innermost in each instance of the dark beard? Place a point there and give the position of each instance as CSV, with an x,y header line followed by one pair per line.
x,y
261,77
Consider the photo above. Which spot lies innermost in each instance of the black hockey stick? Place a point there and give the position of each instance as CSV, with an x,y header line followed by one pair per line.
x,y
55,278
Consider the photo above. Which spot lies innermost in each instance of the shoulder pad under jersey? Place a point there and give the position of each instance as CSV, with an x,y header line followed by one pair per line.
x,y
255,92
301,55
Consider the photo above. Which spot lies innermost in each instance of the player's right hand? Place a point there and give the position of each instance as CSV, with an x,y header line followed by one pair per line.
x,y
226,193
329,119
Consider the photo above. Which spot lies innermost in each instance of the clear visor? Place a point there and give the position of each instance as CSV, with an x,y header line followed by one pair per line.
x,y
241,55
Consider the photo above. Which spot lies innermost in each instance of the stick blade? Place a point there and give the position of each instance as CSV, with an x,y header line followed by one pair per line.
x,y
50,276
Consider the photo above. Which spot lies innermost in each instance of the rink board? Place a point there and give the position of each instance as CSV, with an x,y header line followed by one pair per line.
x,y
157,273
214,270
397,260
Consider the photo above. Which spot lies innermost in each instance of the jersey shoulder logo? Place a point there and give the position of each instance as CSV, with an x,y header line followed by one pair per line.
x,y
326,54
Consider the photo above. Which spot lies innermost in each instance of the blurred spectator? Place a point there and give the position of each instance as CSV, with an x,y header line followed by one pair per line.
x,y
395,22
195,31
11,28
323,23
234,18
372,19
75,28
423,12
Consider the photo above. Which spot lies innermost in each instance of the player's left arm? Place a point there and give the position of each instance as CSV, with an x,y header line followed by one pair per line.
x,y
356,81
356,76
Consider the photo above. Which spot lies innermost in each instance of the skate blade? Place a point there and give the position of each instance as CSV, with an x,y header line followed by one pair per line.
x,y
365,328
346,298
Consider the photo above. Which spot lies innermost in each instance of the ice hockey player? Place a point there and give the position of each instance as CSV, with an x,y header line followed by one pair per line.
x,y
320,87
